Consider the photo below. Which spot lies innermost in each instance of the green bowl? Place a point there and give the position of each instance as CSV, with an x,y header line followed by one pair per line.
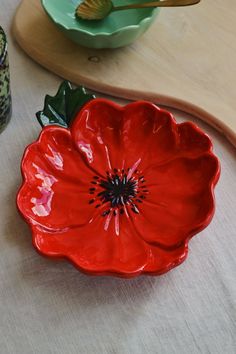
x,y
117,30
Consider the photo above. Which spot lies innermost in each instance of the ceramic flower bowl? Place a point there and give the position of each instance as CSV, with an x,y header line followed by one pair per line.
x,y
121,190
117,30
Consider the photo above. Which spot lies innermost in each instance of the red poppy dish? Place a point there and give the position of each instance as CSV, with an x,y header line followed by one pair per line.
x,y
121,191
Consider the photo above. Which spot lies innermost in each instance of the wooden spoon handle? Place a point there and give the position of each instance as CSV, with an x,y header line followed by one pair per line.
x,y
164,3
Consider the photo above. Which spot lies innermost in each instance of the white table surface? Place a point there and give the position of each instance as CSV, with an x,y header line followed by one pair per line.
x,y
49,307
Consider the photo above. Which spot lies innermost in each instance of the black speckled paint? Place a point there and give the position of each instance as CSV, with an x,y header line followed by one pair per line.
x,y
5,96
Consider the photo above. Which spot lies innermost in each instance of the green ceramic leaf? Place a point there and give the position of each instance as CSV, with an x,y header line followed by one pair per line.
x,y
62,108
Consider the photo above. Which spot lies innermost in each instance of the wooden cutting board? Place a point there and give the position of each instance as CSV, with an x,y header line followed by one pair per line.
x,y
187,60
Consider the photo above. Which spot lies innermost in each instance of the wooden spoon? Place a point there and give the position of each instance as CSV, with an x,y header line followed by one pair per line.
x,y
99,9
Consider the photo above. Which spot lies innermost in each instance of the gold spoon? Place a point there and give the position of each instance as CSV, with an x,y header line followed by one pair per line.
x,y
99,9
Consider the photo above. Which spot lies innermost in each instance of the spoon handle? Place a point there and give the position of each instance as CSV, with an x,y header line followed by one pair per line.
x,y
164,3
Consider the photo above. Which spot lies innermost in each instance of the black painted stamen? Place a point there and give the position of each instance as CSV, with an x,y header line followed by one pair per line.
x,y
135,209
118,191
106,213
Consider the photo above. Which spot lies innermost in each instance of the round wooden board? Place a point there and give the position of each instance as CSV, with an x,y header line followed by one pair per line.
x,y
186,60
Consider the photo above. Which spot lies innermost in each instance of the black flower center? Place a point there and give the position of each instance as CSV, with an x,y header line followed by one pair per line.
x,y
120,191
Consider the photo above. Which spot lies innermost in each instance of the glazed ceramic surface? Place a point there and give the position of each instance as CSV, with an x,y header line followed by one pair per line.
x,y
117,30
121,191
5,97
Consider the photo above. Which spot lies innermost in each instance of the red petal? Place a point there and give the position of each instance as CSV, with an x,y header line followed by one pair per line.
x,y
56,189
110,136
180,200
97,135
192,141
152,135
93,249
161,261
56,148
148,134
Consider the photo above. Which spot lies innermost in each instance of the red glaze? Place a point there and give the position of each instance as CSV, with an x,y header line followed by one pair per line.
x,y
121,192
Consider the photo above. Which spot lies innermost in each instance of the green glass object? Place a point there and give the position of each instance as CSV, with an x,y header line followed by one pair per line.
x,y
5,95
116,30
